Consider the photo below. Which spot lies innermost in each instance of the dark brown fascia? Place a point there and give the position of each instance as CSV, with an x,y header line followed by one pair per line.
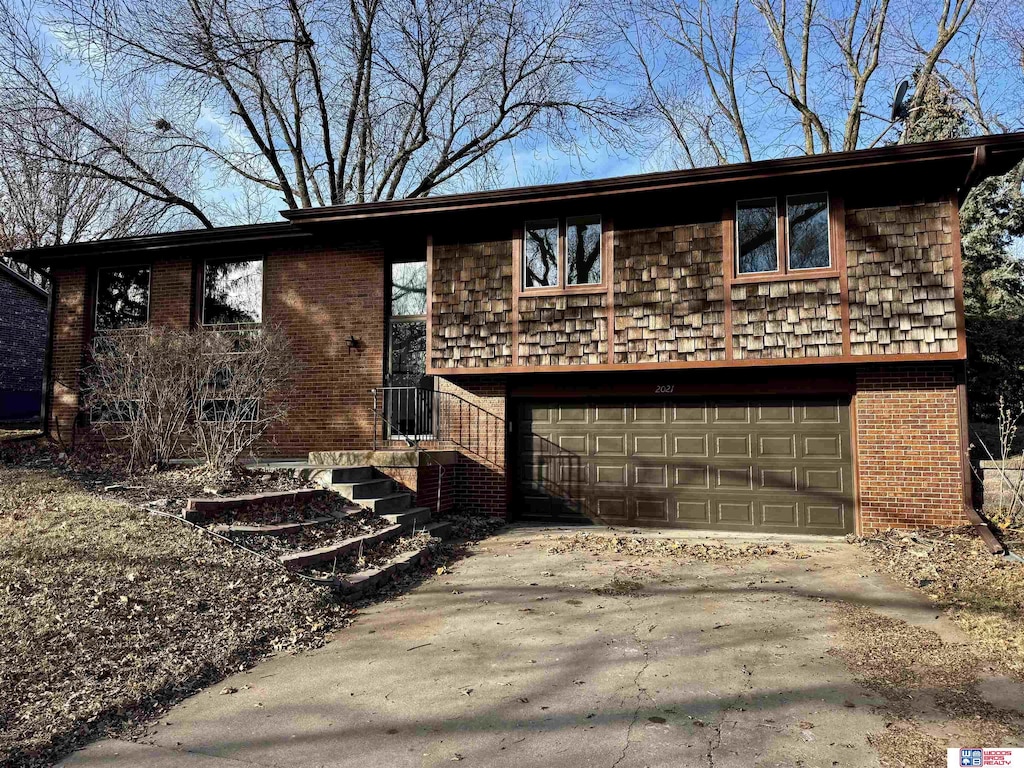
x,y
242,235
1002,153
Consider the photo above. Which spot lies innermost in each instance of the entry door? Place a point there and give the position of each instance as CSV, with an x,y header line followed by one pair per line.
x,y
408,405
770,464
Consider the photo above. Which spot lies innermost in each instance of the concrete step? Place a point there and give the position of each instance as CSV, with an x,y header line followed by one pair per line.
x,y
393,502
353,474
365,489
417,517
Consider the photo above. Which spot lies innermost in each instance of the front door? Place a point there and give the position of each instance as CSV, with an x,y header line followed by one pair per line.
x,y
408,404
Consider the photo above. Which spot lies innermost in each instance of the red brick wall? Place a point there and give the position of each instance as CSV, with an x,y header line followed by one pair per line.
x,y
68,349
480,482
319,297
908,447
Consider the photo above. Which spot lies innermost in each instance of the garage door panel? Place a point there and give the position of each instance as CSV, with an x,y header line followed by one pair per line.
x,y
606,414
652,509
733,478
572,415
650,476
693,413
823,479
822,447
695,446
826,516
735,512
649,414
731,414
781,513
778,479
693,511
611,475
611,509
693,477
769,464
820,413
649,445
781,413
610,445
776,446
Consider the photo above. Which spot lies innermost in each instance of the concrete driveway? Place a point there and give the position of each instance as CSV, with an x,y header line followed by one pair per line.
x,y
523,657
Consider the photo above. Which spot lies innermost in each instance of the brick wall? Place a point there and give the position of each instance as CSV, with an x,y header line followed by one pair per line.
x,y
908,447
22,348
319,298
68,348
480,482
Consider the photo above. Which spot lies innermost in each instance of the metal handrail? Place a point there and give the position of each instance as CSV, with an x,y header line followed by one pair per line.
x,y
410,440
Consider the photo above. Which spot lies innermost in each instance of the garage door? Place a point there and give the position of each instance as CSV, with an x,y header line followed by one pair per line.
x,y
748,465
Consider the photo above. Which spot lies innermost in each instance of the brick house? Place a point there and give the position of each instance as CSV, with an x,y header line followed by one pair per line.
x,y
23,318
775,346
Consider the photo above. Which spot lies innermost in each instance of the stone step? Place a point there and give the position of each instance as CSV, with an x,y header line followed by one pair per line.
x,y
417,517
365,489
276,529
353,474
393,502
198,510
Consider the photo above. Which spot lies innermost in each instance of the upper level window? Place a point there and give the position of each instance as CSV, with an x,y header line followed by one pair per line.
x,y
562,253
805,240
122,297
233,291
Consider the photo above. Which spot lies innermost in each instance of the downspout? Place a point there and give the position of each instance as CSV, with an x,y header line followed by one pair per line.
x,y
976,173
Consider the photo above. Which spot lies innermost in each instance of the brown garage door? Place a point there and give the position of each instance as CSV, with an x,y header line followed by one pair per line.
x,y
751,465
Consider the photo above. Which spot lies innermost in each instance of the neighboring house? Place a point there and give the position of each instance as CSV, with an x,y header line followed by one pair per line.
x,y
774,346
23,318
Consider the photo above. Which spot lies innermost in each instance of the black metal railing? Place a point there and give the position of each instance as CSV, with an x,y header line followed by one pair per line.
x,y
441,418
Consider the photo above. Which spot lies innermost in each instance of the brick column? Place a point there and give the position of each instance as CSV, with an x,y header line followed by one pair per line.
x,y
908,447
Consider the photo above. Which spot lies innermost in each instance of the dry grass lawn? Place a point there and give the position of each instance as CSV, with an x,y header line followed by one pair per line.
x,y
109,614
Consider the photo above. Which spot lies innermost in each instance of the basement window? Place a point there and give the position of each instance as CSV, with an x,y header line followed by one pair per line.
x,y
122,298
562,254
233,292
796,226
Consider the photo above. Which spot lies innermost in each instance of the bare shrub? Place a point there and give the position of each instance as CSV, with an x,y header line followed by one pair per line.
x,y
245,377
138,390
1007,507
202,394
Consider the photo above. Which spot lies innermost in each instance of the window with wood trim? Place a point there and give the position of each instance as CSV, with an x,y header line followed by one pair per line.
x,y
562,253
781,236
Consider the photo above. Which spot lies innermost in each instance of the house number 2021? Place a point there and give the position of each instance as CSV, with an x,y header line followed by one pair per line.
x,y
664,389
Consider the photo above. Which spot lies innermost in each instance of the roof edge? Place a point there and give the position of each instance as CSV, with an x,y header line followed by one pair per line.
x,y
23,281
162,241
946,149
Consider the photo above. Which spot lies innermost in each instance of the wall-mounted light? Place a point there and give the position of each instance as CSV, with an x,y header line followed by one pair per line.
x,y
354,343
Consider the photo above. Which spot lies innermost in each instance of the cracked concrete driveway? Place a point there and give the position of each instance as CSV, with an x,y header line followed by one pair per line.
x,y
525,657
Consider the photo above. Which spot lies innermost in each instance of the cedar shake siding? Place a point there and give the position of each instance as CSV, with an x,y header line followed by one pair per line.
x,y
669,296
23,319
829,371
563,330
471,291
799,318
902,278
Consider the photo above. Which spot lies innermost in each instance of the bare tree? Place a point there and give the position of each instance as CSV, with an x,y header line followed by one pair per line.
x,y
808,72
315,102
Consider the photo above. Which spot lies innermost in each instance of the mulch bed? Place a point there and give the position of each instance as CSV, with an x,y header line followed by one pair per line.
x,y
274,513
312,537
